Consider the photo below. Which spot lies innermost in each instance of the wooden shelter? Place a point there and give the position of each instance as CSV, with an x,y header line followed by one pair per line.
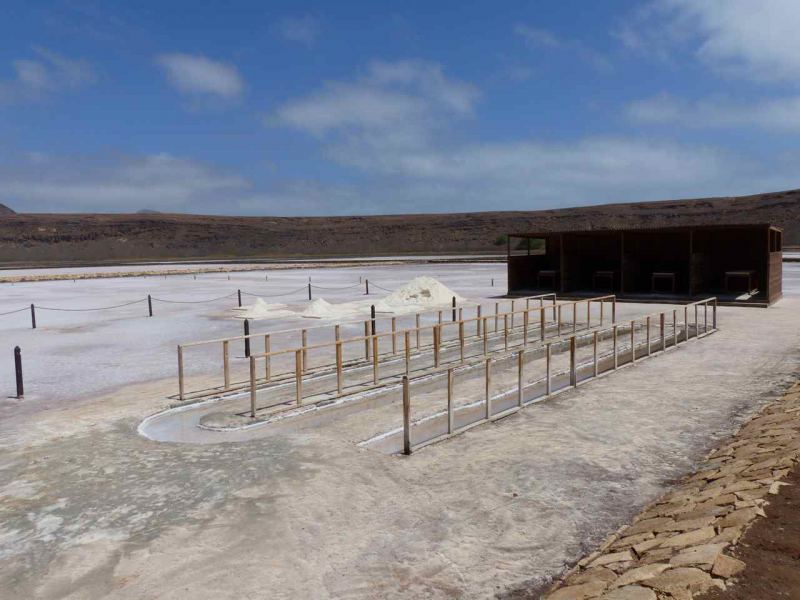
x,y
736,263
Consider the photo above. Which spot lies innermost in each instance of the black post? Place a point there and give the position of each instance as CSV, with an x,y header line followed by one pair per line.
x,y
372,315
33,317
492,281
149,305
18,370
247,339
367,282
309,291
239,294
454,308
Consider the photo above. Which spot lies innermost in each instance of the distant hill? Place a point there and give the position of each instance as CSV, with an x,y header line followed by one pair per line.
x,y
148,211
40,238
4,210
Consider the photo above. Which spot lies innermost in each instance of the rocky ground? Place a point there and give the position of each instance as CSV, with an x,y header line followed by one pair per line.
x,y
685,543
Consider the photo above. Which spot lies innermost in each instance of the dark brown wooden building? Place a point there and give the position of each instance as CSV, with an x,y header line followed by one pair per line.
x,y
736,263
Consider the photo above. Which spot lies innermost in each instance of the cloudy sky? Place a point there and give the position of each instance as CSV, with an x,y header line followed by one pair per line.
x,y
291,108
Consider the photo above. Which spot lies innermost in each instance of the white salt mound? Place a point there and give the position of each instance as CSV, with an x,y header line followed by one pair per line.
x,y
419,292
322,309
261,310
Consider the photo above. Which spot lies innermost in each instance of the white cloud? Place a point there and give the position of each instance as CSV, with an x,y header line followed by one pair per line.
x,y
536,36
779,115
198,75
395,103
47,73
159,181
304,30
752,39
542,38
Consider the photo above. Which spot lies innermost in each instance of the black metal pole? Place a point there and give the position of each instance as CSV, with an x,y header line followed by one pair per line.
x,y
247,339
372,315
239,294
367,282
149,305
454,308
33,317
492,281
309,291
18,370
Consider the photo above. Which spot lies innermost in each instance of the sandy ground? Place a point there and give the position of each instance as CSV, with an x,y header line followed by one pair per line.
x,y
90,509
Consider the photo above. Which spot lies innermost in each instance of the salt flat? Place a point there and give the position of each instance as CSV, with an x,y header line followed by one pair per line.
x,y
93,510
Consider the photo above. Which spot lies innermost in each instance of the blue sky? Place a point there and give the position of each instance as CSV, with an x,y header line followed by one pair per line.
x,y
288,108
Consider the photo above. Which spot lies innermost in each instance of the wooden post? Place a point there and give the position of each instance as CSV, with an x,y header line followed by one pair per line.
x,y
366,340
247,338
298,376
496,316
461,339
505,331
541,323
267,357
488,391
406,418
512,314
436,345
18,372
180,373
674,327
547,355
614,310
714,316
339,366
554,310
614,334
685,323
705,317
253,387
407,348
594,342
574,316
573,374
226,372
450,415
696,323
648,335
304,345
525,328
485,336
375,359
478,321
418,329
394,335
520,373
372,318
633,342
663,332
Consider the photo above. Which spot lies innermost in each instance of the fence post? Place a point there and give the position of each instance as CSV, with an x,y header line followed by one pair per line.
x,y
488,391
461,339
18,371
541,323
180,373
520,383
547,368
614,310
594,342
559,320
648,335
478,321
663,332
505,331
512,314
338,366
573,374
226,368
394,335
696,323
366,340
588,314
436,345
309,290
496,316
267,357
247,338
705,317
33,317
714,316
375,359
418,329
454,309
614,347
150,305
525,328
450,414
406,418
485,336
238,294
253,387
366,282
685,323
633,343
298,376
407,343
372,318
554,311
574,316
674,327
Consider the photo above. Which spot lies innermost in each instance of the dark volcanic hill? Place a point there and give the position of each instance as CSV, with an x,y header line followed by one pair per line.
x,y
4,210
47,238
